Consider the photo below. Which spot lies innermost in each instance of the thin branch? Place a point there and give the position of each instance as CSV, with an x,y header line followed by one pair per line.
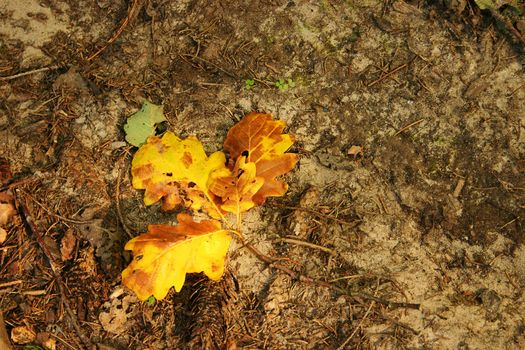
x,y
309,280
320,215
29,72
342,346
306,244
119,211
508,24
405,128
132,13
393,71
78,222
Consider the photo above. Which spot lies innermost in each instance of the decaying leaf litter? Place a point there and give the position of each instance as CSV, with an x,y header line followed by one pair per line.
x,y
430,213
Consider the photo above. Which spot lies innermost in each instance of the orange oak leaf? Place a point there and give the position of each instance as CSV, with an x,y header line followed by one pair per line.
x,y
237,189
258,137
179,171
163,256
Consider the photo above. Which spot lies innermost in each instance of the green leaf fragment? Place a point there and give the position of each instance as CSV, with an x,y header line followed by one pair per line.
x,y
141,124
485,4
249,83
496,4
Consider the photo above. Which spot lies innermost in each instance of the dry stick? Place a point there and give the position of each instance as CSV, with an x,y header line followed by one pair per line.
x,y
516,90
29,72
9,284
119,212
342,346
507,23
78,222
309,280
405,128
18,183
132,12
211,64
321,215
33,231
393,71
4,337
306,244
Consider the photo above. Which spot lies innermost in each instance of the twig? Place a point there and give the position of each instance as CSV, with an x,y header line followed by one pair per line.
x,y
309,280
37,292
393,71
321,215
29,72
306,244
399,324
9,284
119,212
211,64
63,341
33,231
405,128
508,24
516,90
4,337
132,13
342,346
18,183
78,222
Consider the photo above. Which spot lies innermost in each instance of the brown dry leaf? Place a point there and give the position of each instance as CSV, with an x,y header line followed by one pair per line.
x,y
5,172
87,262
67,245
258,137
237,189
117,313
3,235
7,210
164,255
22,335
179,171
44,338
355,151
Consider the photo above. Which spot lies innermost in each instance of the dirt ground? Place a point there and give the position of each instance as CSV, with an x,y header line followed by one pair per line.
x,y
409,195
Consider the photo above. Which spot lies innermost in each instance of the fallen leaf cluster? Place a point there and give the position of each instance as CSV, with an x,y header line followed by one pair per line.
x,y
179,173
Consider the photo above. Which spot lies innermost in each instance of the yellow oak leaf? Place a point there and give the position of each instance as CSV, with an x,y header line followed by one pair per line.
x,y
163,256
178,171
237,189
258,137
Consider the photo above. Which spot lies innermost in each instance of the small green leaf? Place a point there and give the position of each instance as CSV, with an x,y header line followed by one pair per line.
x,y
494,5
151,300
141,124
485,4
249,83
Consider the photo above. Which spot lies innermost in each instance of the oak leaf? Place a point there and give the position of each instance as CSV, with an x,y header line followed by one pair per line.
x,y
164,255
238,188
178,171
258,137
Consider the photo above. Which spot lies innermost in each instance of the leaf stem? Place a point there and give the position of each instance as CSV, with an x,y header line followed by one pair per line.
x,y
223,218
239,220
236,233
